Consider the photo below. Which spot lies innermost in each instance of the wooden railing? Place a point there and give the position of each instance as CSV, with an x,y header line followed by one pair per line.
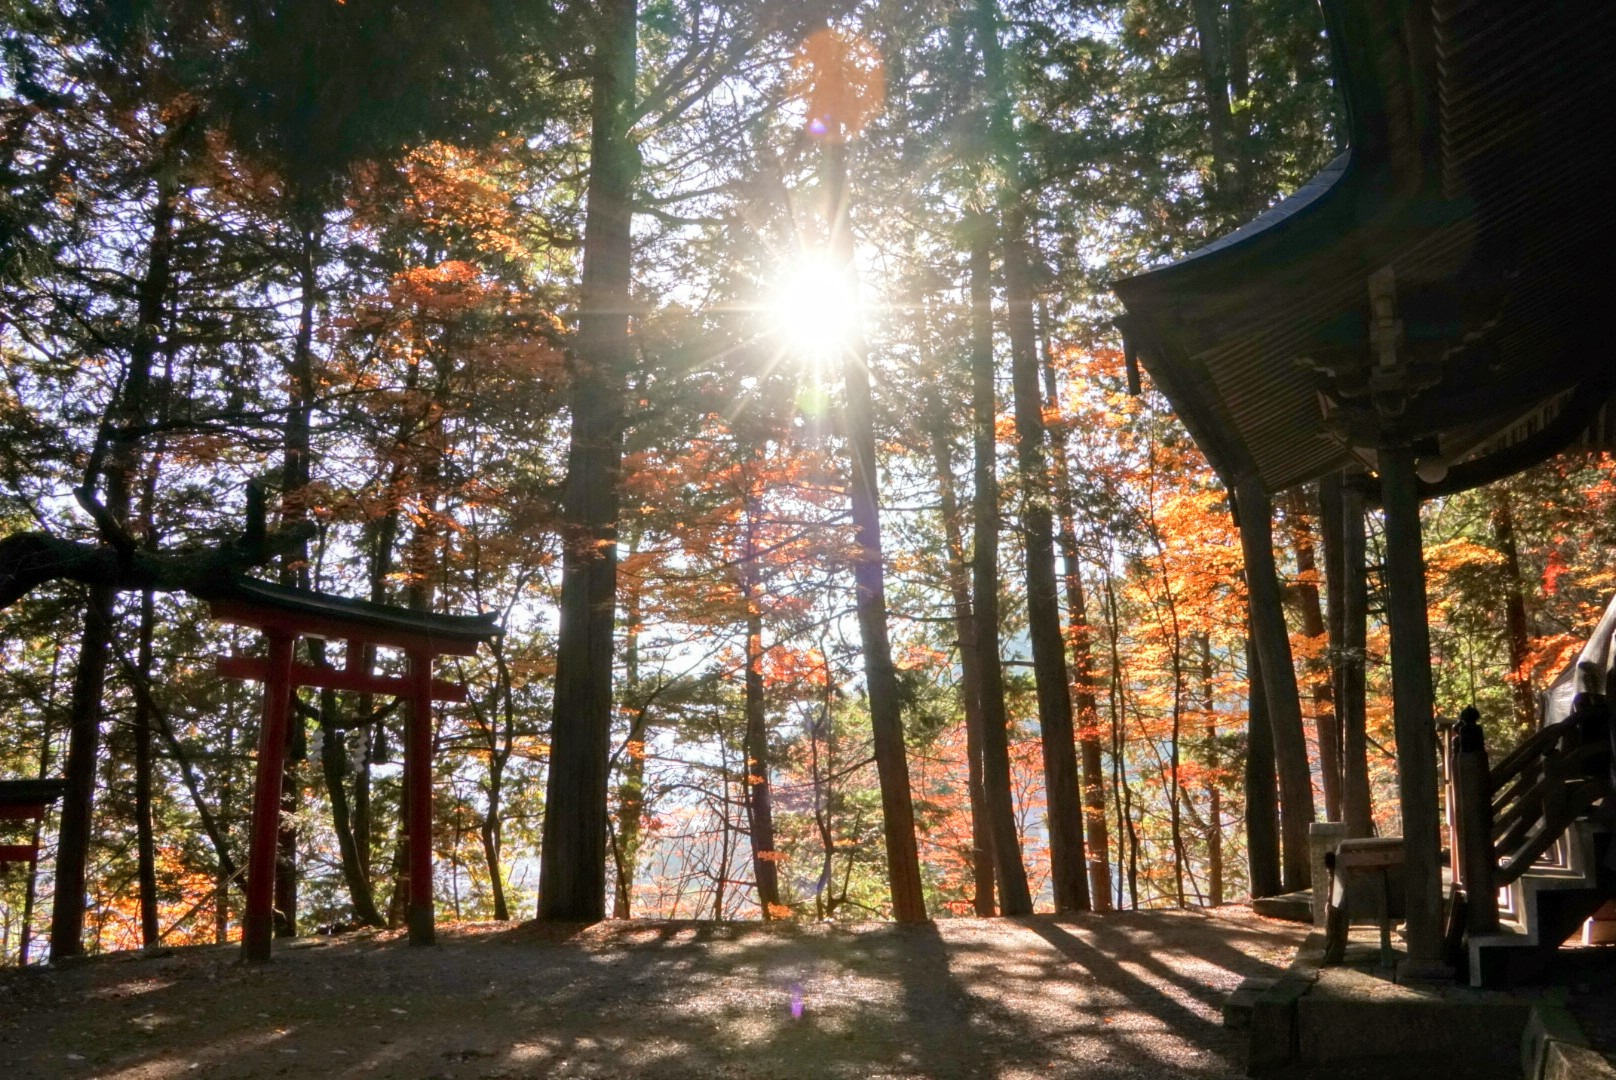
x,y
1509,816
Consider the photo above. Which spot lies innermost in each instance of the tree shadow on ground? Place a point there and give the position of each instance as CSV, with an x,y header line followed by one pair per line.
x,y
965,998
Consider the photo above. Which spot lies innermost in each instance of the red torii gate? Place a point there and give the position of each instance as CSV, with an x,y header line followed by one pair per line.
x,y
285,614
26,800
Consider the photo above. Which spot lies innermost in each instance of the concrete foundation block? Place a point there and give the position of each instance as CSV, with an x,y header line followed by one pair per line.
x,y
1322,838
1553,1047
1333,1029
1274,1030
1562,1061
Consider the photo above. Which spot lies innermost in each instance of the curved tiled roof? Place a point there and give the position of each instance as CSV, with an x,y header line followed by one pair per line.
x,y
1478,177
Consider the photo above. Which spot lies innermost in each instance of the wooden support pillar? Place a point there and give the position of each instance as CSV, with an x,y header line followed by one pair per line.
x,y
1273,646
258,923
1332,528
1413,712
1262,796
418,769
1342,513
1352,696
1475,820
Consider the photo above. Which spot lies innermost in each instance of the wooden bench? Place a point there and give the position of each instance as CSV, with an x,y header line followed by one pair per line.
x,y
1366,884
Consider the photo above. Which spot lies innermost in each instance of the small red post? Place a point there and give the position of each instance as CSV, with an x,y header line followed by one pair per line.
x,y
418,767
258,924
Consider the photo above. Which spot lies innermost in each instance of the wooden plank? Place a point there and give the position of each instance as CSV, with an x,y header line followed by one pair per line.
x,y
10,853
23,812
40,792
330,678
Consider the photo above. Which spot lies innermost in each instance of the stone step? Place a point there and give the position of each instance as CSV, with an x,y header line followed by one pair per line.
x,y
1401,1067
1237,1010
1292,907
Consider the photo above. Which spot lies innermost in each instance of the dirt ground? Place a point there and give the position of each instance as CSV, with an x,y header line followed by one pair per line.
x,y
1132,995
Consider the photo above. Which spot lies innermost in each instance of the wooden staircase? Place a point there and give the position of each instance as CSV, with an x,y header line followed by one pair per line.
x,y
1535,841
1547,904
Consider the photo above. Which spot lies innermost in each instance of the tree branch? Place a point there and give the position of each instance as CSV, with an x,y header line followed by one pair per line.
x,y
31,559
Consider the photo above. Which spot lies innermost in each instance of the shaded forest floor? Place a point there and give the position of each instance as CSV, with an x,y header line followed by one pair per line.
x,y
1102,997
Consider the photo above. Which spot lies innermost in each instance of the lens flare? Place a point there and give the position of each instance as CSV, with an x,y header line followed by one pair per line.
x,y
814,310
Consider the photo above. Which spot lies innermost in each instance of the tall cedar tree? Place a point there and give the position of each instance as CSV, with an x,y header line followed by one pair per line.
x,y
832,60
1273,645
572,869
959,588
1080,635
1014,895
1068,869
755,744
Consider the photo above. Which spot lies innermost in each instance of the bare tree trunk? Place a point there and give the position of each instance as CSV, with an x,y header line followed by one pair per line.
x,y
145,841
755,767
226,865
1520,644
1214,789
1239,60
146,717
1175,785
398,872
1014,896
572,869
144,721
1279,682
719,868
1068,863
286,838
869,576
1080,637
120,441
1119,732
1229,179
631,808
631,788
959,588
826,803
334,767
25,933
381,536
1326,725
1262,792
501,744
296,471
